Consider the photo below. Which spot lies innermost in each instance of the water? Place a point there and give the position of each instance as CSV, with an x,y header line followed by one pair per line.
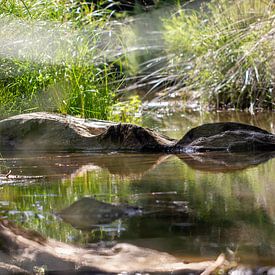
x,y
194,207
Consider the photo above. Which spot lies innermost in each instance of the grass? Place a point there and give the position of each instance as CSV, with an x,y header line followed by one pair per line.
x,y
225,51
67,57
53,58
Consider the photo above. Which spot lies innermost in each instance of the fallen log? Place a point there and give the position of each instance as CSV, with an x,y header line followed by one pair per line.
x,y
23,252
53,132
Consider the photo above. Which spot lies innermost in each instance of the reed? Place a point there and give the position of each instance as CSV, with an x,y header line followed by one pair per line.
x,y
225,51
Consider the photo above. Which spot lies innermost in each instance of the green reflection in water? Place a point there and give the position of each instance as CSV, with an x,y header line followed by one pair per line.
x,y
36,205
202,213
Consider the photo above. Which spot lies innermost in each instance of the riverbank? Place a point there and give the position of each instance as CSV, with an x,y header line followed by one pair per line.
x,y
82,61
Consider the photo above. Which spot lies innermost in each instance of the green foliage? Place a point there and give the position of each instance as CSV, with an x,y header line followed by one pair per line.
x,y
55,60
71,88
127,111
75,12
229,48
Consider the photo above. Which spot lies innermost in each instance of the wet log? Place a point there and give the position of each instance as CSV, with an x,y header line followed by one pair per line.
x,y
54,132
23,252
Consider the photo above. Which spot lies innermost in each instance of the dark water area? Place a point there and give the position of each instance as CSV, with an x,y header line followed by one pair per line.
x,y
192,206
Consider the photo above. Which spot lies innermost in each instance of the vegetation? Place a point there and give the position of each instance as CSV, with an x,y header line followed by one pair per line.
x,y
67,56
70,57
55,59
226,51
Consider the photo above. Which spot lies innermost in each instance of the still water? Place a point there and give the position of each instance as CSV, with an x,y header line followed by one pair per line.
x,y
193,206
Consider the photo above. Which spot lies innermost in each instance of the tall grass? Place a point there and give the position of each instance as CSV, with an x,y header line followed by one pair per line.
x,y
226,51
66,56
52,57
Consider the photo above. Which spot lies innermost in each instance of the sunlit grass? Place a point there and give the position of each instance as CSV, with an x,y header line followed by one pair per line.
x,y
226,51
53,58
67,57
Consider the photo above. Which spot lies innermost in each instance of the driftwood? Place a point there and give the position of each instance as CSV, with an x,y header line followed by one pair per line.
x,y
52,132
24,252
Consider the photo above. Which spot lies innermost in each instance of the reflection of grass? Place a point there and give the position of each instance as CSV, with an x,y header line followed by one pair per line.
x,y
37,204
222,200
217,196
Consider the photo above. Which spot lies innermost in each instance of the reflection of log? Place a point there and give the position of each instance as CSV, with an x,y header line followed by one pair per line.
x,y
33,169
22,251
32,166
224,162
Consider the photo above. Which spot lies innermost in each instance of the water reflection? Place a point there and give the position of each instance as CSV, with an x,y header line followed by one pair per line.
x,y
29,169
225,162
190,204
194,206
50,165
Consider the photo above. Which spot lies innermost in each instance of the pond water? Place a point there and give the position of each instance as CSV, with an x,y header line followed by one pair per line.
x,y
193,206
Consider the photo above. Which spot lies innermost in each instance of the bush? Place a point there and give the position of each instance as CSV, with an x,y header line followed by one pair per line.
x,y
226,50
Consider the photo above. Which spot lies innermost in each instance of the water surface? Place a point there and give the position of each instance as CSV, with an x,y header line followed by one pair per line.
x,y
194,206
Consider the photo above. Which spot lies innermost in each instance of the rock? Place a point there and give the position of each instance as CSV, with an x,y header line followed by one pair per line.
x,y
49,132
131,137
88,213
212,129
53,132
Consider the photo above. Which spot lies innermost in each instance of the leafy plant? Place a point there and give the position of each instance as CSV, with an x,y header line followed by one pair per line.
x,y
127,111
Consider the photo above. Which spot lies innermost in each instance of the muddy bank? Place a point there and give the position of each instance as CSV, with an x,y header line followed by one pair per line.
x,y
53,132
